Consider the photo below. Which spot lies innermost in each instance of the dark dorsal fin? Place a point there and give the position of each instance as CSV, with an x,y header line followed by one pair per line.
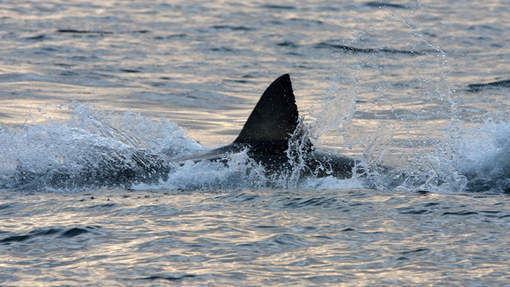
x,y
274,118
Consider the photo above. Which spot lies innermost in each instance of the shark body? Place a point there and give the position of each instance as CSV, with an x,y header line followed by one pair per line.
x,y
274,138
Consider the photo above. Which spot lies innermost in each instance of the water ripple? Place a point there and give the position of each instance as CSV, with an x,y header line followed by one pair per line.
x,y
490,85
44,232
380,4
356,50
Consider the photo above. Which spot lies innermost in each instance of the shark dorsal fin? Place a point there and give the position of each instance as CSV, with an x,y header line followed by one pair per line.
x,y
274,118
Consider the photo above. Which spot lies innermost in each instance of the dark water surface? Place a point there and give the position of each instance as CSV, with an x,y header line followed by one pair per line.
x,y
88,89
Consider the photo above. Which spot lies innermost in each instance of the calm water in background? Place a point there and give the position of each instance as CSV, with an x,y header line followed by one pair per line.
x,y
396,84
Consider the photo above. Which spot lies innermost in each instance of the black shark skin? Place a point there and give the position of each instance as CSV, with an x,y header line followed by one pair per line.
x,y
275,138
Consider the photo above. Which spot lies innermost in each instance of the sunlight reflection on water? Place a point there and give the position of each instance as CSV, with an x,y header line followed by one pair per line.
x,y
389,81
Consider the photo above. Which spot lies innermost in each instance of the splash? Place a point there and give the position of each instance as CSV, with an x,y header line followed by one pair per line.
x,y
476,159
235,171
482,155
97,149
92,148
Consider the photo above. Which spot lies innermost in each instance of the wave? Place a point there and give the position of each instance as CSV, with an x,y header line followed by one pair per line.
x,y
490,85
376,4
356,50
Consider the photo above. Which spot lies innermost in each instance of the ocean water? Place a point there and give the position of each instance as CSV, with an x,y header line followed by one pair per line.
x,y
98,97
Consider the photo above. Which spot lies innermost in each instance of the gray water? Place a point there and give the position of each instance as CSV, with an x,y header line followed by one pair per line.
x,y
421,86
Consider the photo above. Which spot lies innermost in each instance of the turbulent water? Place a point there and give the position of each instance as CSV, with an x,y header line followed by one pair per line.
x,y
98,97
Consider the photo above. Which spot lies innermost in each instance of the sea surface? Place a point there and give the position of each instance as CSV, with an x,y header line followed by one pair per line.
x,y
95,93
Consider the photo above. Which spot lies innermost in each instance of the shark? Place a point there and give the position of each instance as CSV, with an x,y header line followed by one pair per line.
x,y
274,136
